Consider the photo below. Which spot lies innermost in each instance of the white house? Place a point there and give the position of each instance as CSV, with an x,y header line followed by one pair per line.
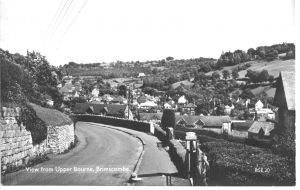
x,y
95,92
259,105
141,75
182,100
264,113
247,103
228,108
167,106
76,95
148,104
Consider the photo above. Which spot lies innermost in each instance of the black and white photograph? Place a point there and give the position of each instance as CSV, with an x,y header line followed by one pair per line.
x,y
148,93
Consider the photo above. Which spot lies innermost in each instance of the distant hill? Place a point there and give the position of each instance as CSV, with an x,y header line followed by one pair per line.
x,y
273,67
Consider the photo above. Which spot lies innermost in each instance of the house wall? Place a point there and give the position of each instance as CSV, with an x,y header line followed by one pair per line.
x,y
216,130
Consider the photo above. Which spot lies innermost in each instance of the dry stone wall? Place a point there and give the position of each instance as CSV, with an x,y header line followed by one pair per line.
x,y
15,142
60,138
16,148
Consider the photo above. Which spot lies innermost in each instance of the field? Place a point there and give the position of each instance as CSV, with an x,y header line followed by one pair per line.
x,y
273,67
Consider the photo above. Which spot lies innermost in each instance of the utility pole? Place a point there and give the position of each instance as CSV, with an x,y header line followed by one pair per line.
x,y
128,99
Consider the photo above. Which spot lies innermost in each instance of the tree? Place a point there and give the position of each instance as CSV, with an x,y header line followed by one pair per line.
x,y
215,76
201,78
271,78
169,58
172,79
155,71
205,68
247,94
252,75
263,76
246,115
168,119
251,52
185,76
235,74
122,90
226,74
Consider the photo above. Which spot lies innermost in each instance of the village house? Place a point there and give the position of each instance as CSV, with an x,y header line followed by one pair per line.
x,y
67,91
239,128
142,99
264,114
228,108
260,131
259,105
150,117
189,108
141,75
106,98
95,92
284,99
189,121
147,105
119,100
170,105
115,110
217,124
182,100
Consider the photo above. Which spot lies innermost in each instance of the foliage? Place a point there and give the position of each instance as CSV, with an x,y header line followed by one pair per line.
x,y
215,76
28,78
225,74
34,124
235,74
235,163
256,76
122,90
168,119
267,53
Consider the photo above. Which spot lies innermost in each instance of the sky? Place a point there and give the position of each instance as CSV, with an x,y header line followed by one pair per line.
x,y
89,31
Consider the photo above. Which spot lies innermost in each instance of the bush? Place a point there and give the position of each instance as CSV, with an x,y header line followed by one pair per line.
x,y
34,124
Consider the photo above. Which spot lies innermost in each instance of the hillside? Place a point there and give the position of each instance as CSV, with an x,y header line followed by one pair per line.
x,y
273,67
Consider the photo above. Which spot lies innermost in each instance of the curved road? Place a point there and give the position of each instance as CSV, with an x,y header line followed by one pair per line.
x,y
98,148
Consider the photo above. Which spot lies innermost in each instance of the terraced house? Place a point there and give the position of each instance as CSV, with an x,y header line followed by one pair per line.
x,y
114,110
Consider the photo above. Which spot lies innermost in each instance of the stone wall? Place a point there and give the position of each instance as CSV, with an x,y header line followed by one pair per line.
x,y
15,141
16,148
60,138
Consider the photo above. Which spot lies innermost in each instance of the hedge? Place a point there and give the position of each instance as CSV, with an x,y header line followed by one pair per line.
x,y
178,155
119,122
235,163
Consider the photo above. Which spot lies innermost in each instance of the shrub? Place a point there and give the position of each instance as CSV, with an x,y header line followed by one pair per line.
x,y
34,124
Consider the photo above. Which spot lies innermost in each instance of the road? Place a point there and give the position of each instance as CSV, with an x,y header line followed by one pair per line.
x,y
98,147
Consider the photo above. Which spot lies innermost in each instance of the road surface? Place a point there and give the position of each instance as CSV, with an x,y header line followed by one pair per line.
x,y
98,148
